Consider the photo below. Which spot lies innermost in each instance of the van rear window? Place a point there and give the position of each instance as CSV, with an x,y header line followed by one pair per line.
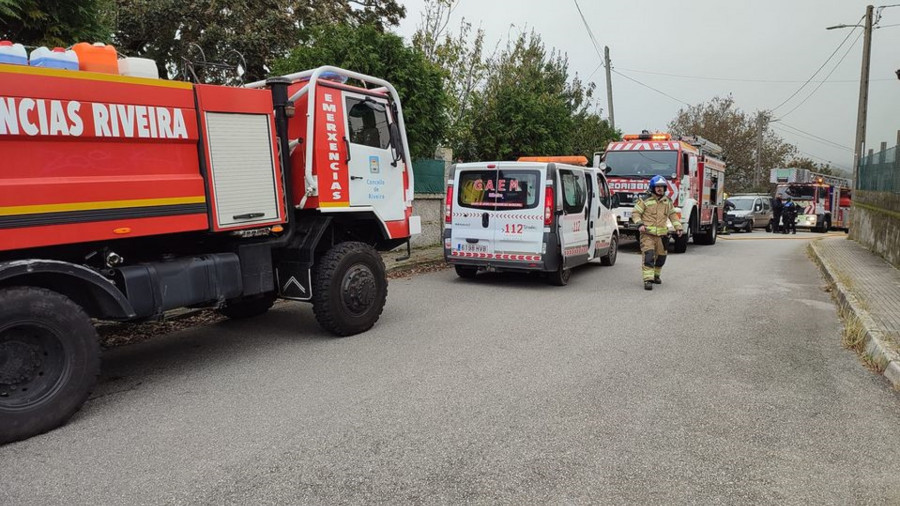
x,y
493,190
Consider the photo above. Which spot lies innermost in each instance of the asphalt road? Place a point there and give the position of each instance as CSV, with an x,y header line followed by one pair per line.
x,y
727,384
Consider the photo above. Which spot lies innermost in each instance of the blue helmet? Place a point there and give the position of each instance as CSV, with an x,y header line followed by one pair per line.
x,y
656,181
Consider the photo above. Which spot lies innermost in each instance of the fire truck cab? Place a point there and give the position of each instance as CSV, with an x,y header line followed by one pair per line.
x,y
693,169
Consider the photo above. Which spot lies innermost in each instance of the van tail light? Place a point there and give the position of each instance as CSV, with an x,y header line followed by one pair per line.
x,y
548,206
448,205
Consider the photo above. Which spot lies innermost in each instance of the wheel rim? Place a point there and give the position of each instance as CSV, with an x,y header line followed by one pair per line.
x,y
358,289
33,364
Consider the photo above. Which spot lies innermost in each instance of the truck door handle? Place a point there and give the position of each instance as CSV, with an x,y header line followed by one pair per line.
x,y
347,145
355,177
247,216
472,241
485,220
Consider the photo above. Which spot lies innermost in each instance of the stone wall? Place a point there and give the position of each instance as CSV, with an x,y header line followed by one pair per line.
x,y
875,223
430,206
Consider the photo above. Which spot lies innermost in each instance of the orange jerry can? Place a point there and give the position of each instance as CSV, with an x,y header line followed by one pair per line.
x,y
97,57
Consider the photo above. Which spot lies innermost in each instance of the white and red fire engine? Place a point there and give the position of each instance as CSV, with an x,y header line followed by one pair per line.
x,y
691,165
824,201
124,197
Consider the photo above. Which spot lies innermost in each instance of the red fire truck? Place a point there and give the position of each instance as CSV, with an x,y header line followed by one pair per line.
x,y
695,173
824,201
123,197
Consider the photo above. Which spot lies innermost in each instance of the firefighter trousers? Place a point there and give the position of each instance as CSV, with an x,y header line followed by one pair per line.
x,y
653,251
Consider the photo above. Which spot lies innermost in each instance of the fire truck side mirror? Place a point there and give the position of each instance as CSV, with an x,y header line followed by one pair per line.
x,y
396,143
605,168
614,203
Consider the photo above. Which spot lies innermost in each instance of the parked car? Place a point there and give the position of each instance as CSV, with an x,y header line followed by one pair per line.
x,y
748,211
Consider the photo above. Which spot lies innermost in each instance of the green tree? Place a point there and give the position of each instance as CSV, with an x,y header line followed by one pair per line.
x,y
238,33
460,55
720,121
368,50
529,106
55,23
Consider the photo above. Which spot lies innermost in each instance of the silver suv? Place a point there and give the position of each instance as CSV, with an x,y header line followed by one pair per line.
x,y
746,212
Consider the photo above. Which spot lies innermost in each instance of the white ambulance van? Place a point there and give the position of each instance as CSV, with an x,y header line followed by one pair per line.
x,y
534,214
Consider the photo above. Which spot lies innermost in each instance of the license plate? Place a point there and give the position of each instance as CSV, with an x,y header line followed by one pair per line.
x,y
472,248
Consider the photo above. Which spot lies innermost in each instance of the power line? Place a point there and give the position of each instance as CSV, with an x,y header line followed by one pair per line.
x,y
835,144
818,70
809,138
826,77
739,80
651,87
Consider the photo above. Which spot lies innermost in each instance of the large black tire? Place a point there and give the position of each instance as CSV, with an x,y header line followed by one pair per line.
x,y
238,309
610,257
349,288
709,236
466,271
49,361
559,277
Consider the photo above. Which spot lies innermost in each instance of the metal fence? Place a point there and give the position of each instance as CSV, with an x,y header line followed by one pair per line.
x,y
880,172
429,176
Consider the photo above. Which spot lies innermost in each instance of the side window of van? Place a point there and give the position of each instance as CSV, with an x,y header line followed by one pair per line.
x,y
603,191
574,191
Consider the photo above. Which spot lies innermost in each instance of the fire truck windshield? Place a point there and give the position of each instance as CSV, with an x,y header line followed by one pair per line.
x,y
642,163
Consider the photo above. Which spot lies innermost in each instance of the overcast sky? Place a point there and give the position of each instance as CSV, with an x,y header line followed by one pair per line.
x,y
725,46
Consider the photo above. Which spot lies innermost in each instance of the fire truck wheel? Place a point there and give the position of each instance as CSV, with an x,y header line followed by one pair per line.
x,y
49,361
349,288
238,309
610,257
560,277
466,272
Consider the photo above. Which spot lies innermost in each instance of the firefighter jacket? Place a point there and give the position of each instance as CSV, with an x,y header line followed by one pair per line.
x,y
652,212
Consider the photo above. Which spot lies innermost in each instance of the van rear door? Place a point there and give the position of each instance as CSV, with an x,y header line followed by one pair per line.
x,y
472,231
519,217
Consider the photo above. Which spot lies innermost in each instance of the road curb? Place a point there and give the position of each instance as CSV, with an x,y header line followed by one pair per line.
x,y
885,359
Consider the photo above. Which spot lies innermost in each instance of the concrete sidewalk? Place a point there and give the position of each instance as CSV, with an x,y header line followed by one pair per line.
x,y
868,289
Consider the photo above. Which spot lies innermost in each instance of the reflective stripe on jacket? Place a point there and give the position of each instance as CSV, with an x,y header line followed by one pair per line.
x,y
652,212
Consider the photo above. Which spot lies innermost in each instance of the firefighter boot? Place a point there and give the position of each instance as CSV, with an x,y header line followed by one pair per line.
x,y
648,285
657,268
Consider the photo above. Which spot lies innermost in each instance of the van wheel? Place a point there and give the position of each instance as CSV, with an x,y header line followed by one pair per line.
x,y
349,288
238,309
749,228
49,361
610,257
466,272
560,277
769,226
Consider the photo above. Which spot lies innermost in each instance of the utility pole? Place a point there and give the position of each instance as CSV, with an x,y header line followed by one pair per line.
x,y
859,146
760,129
612,115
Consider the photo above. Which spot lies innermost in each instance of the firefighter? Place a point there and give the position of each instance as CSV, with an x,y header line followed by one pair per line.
x,y
650,214
789,216
777,208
